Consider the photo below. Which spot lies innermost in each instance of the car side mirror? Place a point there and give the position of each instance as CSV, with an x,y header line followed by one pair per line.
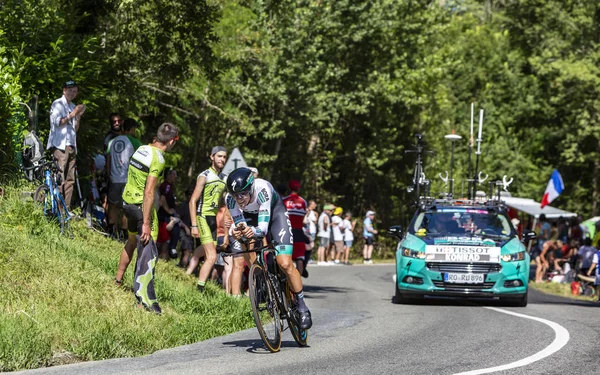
x,y
396,231
529,236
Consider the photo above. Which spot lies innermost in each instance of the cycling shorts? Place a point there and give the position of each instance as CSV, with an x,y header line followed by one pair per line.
x,y
207,226
135,219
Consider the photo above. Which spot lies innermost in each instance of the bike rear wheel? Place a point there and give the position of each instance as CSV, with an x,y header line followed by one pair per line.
x,y
42,197
300,335
264,308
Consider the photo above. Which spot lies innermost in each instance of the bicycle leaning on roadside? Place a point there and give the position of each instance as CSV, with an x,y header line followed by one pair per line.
x,y
48,196
272,299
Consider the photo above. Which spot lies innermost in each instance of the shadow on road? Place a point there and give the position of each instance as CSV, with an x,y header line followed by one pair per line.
x,y
319,291
257,346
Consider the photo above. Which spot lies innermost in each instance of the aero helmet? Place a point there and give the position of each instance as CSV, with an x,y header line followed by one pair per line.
x,y
240,180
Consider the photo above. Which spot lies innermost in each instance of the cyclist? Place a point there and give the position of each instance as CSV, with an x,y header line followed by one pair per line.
x,y
259,209
145,167
210,186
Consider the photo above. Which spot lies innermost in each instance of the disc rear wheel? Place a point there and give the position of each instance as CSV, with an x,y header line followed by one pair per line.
x,y
264,308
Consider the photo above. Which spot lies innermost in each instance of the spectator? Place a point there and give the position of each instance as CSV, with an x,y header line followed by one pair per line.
x,y
296,208
563,230
348,225
118,153
544,232
337,234
203,207
168,229
116,129
575,232
547,257
145,168
65,119
586,255
310,223
254,172
187,242
369,234
324,233
594,267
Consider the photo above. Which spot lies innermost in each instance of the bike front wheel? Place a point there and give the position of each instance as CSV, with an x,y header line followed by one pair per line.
x,y
265,308
42,197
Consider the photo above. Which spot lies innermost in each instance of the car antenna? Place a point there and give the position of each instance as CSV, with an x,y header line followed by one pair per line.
x,y
477,176
419,175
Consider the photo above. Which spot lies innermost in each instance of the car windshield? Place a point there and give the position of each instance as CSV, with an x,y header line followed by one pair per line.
x,y
461,222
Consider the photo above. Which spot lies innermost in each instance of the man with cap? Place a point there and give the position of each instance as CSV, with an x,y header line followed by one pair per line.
x,y
369,235
62,140
203,206
296,207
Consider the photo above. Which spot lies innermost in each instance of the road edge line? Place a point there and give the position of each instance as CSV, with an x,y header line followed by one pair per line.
x,y
561,339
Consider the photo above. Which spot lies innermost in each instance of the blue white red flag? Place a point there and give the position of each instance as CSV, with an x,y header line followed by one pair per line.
x,y
554,188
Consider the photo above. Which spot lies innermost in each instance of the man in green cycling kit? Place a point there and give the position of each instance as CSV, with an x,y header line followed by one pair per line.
x,y
204,205
145,167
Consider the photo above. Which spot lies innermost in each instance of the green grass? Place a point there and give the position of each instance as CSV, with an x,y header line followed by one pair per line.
x,y
559,289
58,303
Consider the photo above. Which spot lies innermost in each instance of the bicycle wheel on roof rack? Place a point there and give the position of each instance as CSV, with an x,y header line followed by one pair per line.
x,y
265,308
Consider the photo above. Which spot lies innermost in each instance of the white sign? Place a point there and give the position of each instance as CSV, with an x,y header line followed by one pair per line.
x,y
234,161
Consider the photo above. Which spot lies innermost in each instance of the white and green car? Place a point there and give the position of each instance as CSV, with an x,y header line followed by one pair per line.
x,y
451,249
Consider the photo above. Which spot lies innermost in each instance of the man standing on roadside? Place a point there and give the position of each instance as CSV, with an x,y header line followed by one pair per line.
x,y
204,205
296,208
116,128
369,235
118,153
324,234
65,118
145,167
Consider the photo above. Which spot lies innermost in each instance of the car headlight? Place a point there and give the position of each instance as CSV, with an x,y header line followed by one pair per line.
x,y
413,253
514,257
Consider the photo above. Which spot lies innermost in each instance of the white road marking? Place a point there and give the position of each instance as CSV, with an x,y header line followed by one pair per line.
x,y
560,339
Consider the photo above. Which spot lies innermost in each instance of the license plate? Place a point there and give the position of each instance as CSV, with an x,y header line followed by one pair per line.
x,y
464,278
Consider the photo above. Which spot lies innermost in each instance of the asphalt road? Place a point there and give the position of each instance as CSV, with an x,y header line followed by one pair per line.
x,y
357,330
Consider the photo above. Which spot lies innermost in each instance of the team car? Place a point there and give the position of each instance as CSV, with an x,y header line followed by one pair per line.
x,y
465,249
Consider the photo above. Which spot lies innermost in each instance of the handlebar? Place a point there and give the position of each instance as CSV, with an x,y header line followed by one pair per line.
x,y
39,166
267,248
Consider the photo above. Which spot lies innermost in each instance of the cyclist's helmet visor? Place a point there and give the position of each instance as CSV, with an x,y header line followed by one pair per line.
x,y
240,182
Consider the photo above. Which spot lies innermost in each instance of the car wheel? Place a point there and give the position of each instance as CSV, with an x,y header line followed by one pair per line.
x,y
516,302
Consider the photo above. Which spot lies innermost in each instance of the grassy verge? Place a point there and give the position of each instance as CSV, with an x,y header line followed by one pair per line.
x,y
58,303
559,289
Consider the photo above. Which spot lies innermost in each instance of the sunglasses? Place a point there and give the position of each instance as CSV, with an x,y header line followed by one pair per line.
x,y
242,194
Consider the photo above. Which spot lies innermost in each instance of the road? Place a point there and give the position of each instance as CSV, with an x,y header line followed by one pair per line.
x,y
357,330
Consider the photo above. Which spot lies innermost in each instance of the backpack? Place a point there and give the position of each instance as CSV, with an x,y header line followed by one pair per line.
x,y
33,155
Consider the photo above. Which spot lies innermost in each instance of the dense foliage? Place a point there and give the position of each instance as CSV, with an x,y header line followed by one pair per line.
x,y
329,92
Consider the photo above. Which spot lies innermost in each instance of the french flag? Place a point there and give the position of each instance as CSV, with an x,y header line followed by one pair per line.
x,y
555,187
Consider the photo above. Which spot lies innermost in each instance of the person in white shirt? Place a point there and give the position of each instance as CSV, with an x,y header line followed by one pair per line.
x,y
310,226
348,224
62,140
338,236
324,233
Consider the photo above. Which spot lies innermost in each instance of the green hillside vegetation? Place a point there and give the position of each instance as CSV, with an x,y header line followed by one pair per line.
x,y
58,303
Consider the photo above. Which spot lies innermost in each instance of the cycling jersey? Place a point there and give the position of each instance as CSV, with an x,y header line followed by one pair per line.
x,y
296,206
208,205
266,213
147,160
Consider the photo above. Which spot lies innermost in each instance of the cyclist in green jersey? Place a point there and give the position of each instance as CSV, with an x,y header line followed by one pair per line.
x,y
145,167
204,205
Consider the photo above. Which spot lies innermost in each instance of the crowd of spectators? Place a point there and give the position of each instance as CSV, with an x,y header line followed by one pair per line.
x,y
192,231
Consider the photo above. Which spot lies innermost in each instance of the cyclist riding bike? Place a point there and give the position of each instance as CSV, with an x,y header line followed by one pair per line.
x,y
259,209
